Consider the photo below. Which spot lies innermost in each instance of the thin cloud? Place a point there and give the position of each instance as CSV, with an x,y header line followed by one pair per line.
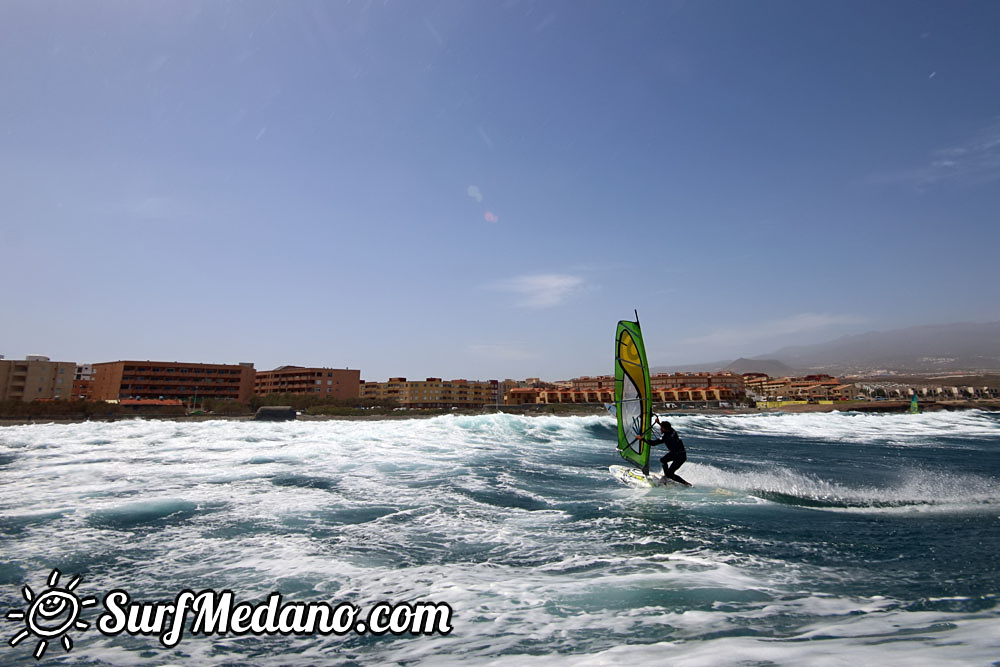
x,y
485,137
764,331
541,290
975,162
433,31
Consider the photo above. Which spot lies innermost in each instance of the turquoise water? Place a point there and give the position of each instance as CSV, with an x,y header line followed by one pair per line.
x,y
819,539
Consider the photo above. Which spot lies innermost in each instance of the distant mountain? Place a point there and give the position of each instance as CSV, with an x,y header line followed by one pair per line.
x,y
771,367
939,347
925,349
707,367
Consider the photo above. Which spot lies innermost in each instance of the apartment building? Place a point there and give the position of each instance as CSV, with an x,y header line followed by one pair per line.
x,y
322,382
36,378
433,392
557,394
809,387
731,382
565,394
728,382
665,387
189,382
82,380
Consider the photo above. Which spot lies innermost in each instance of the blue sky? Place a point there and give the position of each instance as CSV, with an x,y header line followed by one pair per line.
x,y
482,189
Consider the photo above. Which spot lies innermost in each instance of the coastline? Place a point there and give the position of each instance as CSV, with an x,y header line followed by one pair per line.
x,y
563,410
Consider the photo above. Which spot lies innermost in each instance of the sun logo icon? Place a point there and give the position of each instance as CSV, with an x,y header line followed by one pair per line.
x,y
51,614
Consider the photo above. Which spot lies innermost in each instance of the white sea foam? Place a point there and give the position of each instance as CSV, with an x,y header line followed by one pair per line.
x,y
910,641
538,560
914,491
924,429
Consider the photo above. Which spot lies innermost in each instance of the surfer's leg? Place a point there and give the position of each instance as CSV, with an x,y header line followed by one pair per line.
x,y
679,460
676,460
681,457
665,460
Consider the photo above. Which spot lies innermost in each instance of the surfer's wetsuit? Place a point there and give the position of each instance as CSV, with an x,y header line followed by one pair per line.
x,y
676,454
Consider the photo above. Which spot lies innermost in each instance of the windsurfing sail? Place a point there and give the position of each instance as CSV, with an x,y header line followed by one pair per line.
x,y
633,406
914,408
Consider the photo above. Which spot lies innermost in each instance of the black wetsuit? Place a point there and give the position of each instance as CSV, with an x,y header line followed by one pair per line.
x,y
676,454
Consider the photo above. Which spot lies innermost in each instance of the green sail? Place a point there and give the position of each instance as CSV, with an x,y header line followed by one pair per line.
x,y
633,406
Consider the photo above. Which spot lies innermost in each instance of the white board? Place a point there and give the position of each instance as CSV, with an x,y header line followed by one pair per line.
x,y
634,477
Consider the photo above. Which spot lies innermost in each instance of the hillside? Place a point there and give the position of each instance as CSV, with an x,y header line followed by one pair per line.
x,y
771,367
924,349
939,348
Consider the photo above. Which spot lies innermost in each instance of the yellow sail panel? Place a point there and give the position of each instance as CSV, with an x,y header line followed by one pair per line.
x,y
632,394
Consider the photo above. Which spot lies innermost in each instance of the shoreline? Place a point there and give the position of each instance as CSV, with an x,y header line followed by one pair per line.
x,y
557,410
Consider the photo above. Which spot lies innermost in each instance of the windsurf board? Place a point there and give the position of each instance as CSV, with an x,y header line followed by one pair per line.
x,y
634,477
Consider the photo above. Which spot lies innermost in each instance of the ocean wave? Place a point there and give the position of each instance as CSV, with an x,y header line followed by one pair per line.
x,y
938,429
915,488
516,523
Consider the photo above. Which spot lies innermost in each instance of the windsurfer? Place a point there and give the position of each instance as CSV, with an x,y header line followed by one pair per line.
x,y
676,454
